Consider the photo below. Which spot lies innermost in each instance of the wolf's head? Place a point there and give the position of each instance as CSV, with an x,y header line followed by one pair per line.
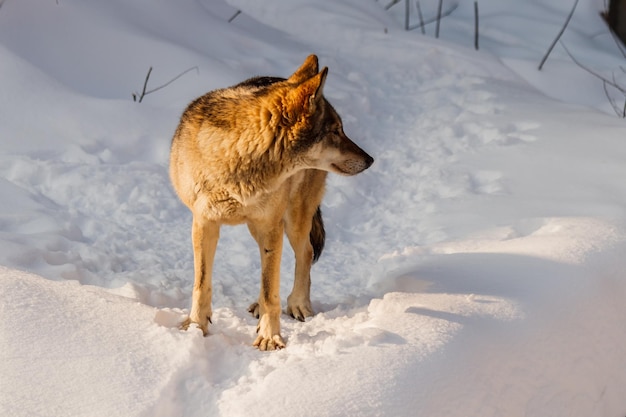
x,y
313,127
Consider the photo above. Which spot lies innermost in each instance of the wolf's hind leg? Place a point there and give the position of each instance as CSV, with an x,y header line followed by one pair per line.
x,y
204,236
255,310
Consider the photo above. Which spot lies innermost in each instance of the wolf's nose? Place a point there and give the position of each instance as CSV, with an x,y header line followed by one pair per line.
x,y
368,161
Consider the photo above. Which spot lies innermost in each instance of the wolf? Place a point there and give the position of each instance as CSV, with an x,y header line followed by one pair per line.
x,y
258,153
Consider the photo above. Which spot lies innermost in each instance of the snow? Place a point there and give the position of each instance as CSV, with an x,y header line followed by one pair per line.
x,y
476,269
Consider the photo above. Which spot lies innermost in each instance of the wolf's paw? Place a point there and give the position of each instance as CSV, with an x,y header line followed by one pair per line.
x,y
255,310
268,331
188,322
299,310
275,342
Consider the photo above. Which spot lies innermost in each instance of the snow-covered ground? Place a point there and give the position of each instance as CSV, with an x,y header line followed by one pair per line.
x,y
476,269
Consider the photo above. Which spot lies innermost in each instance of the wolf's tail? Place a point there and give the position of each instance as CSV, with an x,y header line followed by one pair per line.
x,y
317,235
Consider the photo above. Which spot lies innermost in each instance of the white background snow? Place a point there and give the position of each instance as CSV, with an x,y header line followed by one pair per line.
x,y
476,269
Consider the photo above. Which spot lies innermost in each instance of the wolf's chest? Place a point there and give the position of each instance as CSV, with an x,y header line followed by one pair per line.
x,y
234,207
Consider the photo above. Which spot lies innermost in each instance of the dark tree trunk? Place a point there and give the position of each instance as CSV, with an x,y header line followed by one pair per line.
x,y
617,18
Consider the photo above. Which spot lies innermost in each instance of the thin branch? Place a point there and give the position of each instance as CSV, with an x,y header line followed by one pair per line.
x,y
237,13
145,92
434,19
390,5
173,79
592,72
145,84
476,25
608,96
623,112
406,14
614,79
438,18
605,81
569,17
421,17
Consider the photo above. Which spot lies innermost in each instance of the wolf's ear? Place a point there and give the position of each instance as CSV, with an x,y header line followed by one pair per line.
x,y
305,98
307,70
310,92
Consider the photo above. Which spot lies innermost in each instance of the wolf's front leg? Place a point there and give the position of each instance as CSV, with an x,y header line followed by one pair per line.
x,y
204,236
299,301
305,229
270,240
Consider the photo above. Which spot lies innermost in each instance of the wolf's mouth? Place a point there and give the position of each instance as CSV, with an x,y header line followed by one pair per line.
x,y
339,170
353,166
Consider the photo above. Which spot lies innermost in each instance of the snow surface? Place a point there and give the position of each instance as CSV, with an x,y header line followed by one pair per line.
x,y
476,269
